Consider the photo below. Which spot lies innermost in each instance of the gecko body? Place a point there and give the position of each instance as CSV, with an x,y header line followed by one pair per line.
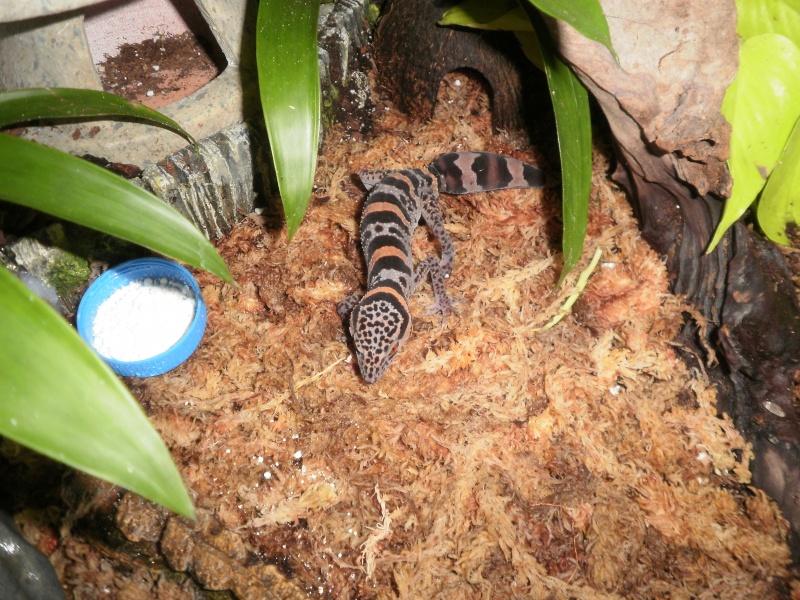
x,y
379,319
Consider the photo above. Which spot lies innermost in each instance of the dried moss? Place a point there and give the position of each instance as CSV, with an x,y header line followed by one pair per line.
x,y
492,460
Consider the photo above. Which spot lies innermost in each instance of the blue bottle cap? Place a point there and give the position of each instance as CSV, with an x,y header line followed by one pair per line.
x,y
141,270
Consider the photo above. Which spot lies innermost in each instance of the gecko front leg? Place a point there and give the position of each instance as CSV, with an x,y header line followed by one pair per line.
x,y
345,307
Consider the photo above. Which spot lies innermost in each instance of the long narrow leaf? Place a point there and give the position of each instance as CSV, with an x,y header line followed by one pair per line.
x,y
585,16
574,129
73,189
288,78
22,106
570,100
59,398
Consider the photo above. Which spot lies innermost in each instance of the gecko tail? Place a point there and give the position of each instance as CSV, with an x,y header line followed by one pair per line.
x,y
468,172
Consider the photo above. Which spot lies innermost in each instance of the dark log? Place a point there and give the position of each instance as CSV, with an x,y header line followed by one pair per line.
x,y
662,102
414,53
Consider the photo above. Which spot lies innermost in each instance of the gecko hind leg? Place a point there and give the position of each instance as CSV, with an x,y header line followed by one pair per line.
x,y
443,302
372,177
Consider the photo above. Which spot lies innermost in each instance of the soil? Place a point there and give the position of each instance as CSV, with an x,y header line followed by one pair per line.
x,y
159,71
495,458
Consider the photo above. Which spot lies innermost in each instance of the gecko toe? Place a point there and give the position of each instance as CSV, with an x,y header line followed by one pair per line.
x,y
443,307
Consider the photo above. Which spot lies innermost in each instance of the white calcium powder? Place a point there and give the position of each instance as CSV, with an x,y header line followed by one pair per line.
x,y
143,319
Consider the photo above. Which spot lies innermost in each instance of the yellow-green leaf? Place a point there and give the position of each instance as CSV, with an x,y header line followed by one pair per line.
x,y
288,80
586,16
780,200
762,106
59,398
769,16
530,47
583,279
506,15
570,99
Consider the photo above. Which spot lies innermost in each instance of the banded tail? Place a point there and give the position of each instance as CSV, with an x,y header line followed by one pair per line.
x,y
468,172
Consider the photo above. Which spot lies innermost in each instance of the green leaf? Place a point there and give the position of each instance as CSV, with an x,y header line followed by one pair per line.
x,y
288,79
585,16
570,99
530,47
22,106
59,398
75,190
780,200
506,15
769,16
762,105
574,129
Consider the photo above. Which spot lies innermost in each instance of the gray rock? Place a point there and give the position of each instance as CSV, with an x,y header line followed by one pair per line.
x,y
214,185
25,573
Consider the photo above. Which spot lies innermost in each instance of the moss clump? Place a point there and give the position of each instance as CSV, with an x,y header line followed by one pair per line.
x,y
68,272
62,254
373,12
328,108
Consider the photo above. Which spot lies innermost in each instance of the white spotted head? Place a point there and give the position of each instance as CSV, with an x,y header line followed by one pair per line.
x,y
380,325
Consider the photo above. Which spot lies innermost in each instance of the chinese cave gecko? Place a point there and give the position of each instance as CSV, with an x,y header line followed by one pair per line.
x,y
380,321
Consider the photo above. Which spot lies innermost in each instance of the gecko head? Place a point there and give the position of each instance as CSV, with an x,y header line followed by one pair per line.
x,y
380,326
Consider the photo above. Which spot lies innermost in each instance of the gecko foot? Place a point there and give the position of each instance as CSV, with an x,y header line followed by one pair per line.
x,y
345,307
443,305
